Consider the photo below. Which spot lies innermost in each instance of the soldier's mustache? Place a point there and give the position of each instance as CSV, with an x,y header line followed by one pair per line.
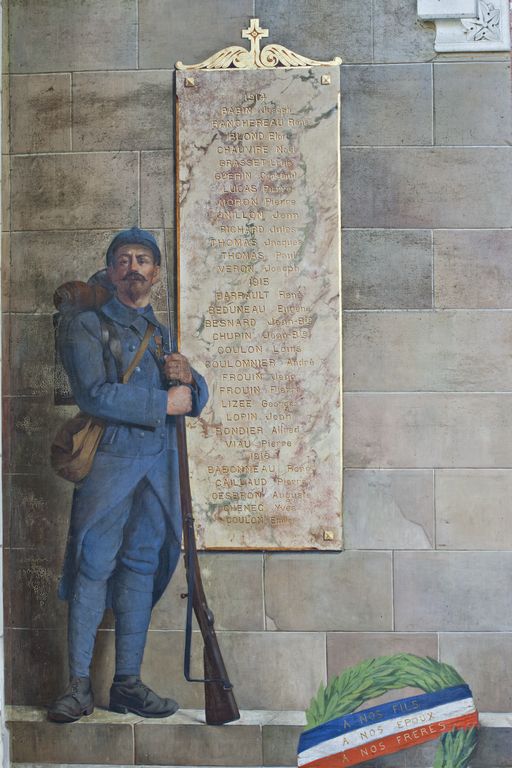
x,y
135,276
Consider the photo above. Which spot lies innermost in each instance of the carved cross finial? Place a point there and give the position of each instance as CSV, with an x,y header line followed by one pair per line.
x,y
272,55
254,33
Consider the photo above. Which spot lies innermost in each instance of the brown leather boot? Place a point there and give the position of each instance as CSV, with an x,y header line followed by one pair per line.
x,y
77,700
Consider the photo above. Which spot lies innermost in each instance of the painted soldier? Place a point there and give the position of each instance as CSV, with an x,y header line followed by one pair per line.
x,y
125,529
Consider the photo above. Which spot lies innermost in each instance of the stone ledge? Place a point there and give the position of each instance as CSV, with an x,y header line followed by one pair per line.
x,y
259,738
183,739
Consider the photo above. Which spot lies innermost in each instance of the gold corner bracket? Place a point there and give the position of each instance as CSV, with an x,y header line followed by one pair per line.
x,y
271,57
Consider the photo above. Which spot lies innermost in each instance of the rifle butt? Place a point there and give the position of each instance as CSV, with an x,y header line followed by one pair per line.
x,y
219,704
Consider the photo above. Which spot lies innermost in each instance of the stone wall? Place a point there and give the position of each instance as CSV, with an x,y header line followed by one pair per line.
x,y
426,177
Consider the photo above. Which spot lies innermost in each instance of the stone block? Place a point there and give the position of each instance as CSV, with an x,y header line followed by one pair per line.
x,y
388,510
31,424
428,430
174,30
6,331
473,268
87,742
456,119
482,658
36,665
199,744
321,30
346,649
399,35
6,522
387,269
36,510
315,592
30,364
6,64
53,258
387,104
233,586
494,747
280,743
5,269
54,37
452,591
157,189
92,190
32,601
6,193
472,509
266,668
6,145
123,110
40,113
427,187
414,351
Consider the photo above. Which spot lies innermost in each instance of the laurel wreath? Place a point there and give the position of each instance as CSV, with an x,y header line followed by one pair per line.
x,y
374,677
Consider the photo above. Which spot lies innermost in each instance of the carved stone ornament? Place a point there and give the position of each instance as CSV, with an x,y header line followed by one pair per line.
x,y
488,29
272,56
487,25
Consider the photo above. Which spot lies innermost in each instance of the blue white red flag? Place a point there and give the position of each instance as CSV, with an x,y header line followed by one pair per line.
x,y
391,727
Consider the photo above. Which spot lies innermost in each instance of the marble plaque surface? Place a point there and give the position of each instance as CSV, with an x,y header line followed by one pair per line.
x,y
259,303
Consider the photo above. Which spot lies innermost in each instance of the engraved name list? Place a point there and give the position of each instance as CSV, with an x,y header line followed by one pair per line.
x,y
260,303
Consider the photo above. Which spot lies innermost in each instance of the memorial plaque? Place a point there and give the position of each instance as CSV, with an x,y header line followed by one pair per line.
x,y
259,302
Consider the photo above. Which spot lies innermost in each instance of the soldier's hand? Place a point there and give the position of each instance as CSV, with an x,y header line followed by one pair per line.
x,y
177,368
179,401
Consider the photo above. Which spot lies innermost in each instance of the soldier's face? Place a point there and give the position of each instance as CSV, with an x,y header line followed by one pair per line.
x,y
133,272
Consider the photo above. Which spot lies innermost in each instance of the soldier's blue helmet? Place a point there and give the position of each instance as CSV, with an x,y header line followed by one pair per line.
x,y
136,236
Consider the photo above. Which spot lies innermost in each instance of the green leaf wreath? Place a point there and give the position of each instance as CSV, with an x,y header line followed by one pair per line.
x,y
374,677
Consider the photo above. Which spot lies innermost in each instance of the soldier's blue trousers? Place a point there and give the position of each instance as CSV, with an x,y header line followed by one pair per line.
x,y
123,546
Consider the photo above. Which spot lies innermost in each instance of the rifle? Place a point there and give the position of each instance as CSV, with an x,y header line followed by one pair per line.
x,y
220,704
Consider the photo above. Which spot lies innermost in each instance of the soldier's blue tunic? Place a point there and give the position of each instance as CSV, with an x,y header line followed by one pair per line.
x,y
140,439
